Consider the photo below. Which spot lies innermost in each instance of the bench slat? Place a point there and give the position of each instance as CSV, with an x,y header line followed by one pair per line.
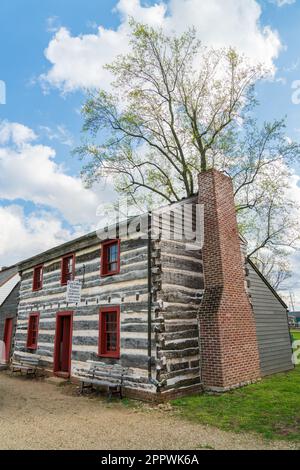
x,y
34,363
107,374
101,383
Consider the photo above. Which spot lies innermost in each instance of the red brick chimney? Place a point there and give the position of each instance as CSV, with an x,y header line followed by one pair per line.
x,y
227,326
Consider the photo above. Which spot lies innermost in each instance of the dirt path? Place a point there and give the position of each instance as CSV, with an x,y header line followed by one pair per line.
x,y
37,415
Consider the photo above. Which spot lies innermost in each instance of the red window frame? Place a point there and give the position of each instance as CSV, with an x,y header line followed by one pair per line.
x,y
105,246
33,330
37,281
65,274
103,350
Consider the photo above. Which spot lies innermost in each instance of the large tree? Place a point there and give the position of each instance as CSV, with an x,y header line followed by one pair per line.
x,y
177,108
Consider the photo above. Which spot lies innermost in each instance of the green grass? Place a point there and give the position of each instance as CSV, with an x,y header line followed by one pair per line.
x,y
296,334
270,407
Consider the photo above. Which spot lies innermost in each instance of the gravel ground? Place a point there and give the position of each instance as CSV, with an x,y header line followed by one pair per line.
x,y
38,415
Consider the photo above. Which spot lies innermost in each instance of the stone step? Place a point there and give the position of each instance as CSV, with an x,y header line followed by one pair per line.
x,y
55,381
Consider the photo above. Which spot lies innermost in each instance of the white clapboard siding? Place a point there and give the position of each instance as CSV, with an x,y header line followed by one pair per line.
x,y
7,287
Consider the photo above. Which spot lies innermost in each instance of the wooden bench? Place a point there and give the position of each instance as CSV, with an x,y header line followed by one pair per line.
x,y
28,364
102,375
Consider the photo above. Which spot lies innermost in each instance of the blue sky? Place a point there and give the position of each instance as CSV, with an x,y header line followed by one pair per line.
x,y
24,34
48,52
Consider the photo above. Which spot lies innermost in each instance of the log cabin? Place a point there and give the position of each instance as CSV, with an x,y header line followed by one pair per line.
x,y
179,316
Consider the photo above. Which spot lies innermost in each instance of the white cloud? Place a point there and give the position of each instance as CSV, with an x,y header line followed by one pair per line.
x,y
60,133
291,290
54,199
294,283
293,192
16,133
21,236
77,61
52,24
28,171
281,3
292,286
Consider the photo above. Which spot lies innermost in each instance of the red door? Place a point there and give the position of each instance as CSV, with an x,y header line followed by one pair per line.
x,y
8,329
63,344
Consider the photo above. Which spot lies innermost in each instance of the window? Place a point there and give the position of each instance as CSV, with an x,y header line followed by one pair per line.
x,y
110,263
67,269
37,278
109,332
33,329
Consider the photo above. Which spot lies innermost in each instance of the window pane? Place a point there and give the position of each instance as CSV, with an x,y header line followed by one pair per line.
x,y
32,331
68,264
110,258
111,332
33,338
38,278
112,266
111,342
112,253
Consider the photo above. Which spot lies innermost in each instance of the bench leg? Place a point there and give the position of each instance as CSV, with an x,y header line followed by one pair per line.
x,y
83,386
116,390
31,373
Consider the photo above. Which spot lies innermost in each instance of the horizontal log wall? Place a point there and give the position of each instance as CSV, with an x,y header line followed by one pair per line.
x,y
129,289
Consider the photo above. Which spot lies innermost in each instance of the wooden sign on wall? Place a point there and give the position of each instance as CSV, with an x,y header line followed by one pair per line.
x,y
73,294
